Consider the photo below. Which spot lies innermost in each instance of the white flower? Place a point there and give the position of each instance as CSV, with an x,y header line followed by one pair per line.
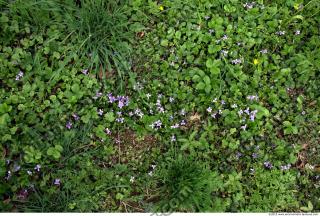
x,y
132,178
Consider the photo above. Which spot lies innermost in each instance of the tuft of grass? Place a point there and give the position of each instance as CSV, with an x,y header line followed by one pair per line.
x,y
186,185
102,30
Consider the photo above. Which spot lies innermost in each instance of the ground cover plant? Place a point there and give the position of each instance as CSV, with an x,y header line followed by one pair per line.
x,y
159,106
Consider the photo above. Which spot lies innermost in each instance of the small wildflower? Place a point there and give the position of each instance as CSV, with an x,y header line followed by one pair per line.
x,y
85,71
209,109
264,51
223,102
297,32
148,95
153,166
75,117
175,126
98,94
207,17
16,168
213,115
8,175
236,61
252,171
238,155
29,172
183,122
130,113
267,164
19,75
255,61
247,111
132,178
37,167
211,31
214,100
303,112
240,112
173,138
150,173
243,127
171,99
225,37
285,167
161,8
107,131
280,33
69,125
252,97
255,155
120,120
111,98
249,5
182,112
57,182
100,112
234,106
224,52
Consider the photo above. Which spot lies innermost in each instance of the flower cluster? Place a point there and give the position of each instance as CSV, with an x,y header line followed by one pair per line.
x,y
19,75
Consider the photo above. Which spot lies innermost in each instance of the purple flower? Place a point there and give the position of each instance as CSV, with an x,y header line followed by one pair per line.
x,y
244,127
238,155
249,5
247,111
37,167
285,167
85,71
255,155
69,125
223,102
100,112
253,115
98,94
240,112
183,122
120,120
16,168
280,33
236,61
107,131
111,98
139,113
209,109
173,138
175,126
57,182
75,116
224,52
267,164
252,97
156,125
264,51
225,37
19,75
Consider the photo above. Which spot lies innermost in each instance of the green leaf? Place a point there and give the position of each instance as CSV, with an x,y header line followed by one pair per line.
x,y
207,80
164,43
109,116
200,86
